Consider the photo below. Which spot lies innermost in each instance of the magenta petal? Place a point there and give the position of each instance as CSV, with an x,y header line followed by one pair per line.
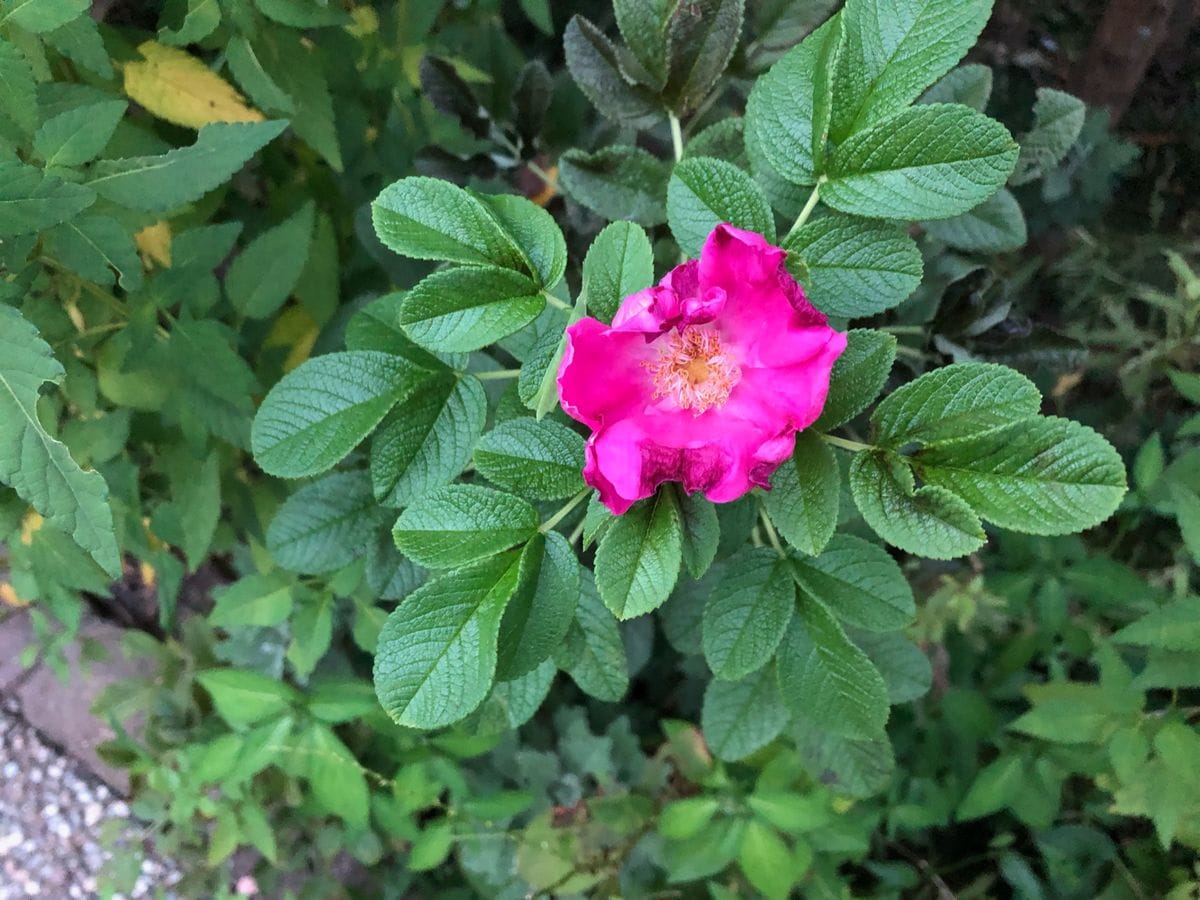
x,y
601,375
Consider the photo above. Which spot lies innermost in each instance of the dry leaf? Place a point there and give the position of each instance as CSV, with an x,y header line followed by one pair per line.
x,y
177,87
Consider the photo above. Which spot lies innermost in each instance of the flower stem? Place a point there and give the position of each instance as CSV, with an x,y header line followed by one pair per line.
x,y
853,446
498,374
808,208
676,137
540,173
555,302
769,530
565,511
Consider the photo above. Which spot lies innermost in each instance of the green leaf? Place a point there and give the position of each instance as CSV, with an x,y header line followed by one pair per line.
x,y
460,523
535,234
643,25
905,668
639,557
927,162
322,410
788,811
264,275
336,776
325,525
1042,476
542,608
209,386
512,703
78,135
619,182
1175,626
747,613
858,376
427,218
740,717
682,819
803,500
458,310
970,85
158,183
927,521
860,582
38,467
596,68
620,262
377,327
40,16
851,268
955,402
1057,120
593,653
79,41
31,201
253,601
1187,514
825,680
704,854
426,441
894,49
704,192
436,657
993,787
302,13
18,88
244,698
766,861
96,246
787,115
312,633
200,20
997,225
542,460
318,286
857,768
196,491
701,38
248,69
538,12
701,531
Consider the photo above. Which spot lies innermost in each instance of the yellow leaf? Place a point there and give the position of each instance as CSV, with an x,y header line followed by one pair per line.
x,y
29,526
296,330
176,86
154,244
149,576
8,596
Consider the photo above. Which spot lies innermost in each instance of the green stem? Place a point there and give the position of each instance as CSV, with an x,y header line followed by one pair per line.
x,y
498,374
676,137
540,173
565,511
853,446
769,530
808,208
555,302
903,329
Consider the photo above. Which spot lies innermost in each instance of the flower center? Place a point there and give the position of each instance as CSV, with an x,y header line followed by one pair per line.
x,y
692,371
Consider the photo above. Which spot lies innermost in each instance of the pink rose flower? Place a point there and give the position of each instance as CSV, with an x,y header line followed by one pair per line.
x,y
703,379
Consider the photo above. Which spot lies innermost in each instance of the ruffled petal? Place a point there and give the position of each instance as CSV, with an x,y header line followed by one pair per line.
x,y
602,376
766,314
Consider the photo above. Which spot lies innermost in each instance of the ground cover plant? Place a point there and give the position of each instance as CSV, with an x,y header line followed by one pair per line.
x,y
646,449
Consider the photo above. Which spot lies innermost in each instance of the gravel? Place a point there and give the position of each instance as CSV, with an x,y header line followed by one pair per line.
x,y
52,813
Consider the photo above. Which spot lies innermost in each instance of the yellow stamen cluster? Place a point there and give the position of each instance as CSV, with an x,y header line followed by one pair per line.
x,y
692,370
